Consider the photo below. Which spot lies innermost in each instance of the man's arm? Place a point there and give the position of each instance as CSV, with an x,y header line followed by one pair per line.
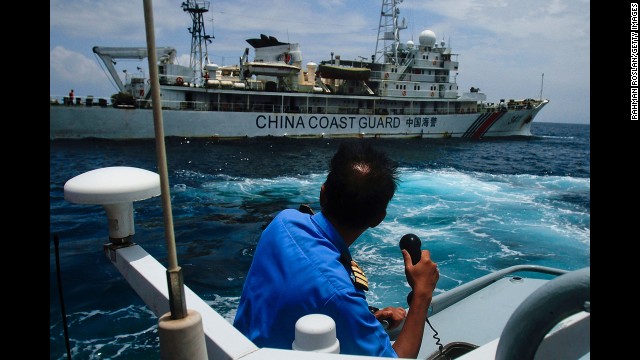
x,y
422,278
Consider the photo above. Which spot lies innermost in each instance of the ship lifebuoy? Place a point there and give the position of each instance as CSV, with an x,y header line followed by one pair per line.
x,y
432,93
404,92
434,62
287,58
179,80
386,76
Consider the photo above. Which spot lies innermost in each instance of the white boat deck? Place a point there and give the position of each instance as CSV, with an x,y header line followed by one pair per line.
x,y
480,318
477,319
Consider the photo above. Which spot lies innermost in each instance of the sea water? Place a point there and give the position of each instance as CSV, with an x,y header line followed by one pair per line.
x,y
477,205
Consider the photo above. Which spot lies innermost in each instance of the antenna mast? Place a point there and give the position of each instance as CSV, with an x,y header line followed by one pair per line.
x,y
389,32
199,37
541,85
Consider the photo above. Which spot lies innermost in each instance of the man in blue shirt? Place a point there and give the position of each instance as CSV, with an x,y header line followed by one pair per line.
x,y
302,265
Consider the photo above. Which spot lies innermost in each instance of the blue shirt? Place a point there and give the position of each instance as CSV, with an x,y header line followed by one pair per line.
x,y
296,271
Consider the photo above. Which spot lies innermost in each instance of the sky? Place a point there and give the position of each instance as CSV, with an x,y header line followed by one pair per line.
x,y
510,49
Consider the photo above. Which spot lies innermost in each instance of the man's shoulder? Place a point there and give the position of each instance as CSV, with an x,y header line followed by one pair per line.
x,y
292,215
291,212
289,218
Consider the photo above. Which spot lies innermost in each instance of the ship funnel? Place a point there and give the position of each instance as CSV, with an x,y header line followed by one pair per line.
x,y
115,188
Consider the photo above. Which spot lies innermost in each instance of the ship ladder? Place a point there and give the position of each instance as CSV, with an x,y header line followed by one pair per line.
x,y
367,88
403,70
285,83
322,85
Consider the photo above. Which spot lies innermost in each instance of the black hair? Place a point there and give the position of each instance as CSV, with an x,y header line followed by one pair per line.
x,y
359,186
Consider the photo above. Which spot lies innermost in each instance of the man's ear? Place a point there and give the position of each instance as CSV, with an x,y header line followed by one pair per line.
x,y
323,197
378,219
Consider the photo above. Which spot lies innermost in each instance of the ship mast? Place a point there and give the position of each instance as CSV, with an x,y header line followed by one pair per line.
x,y
199,37
389,32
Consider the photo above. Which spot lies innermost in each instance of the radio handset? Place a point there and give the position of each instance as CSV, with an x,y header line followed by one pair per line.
x,y
412,243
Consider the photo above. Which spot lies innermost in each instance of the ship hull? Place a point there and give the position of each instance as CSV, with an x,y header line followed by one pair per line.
x,y
78,122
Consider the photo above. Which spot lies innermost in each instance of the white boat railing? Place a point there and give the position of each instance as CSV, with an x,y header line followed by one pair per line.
x,y
223,341
450,297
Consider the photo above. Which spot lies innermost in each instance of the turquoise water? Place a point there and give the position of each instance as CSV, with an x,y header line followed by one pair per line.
x,y
477,205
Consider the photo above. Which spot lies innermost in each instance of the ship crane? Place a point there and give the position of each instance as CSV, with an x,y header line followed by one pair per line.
x,y
109,55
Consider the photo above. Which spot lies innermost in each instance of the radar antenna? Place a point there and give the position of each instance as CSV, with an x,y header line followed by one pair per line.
x,y
389,32
199,37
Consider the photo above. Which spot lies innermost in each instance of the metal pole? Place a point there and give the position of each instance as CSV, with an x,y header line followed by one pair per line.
x,y
180,331
177,302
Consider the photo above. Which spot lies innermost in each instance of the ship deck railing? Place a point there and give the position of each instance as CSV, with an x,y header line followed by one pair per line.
x,y
317,109
89,101
263,108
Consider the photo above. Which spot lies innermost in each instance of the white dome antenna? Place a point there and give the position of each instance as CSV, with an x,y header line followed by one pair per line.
x,y
427,38
115,188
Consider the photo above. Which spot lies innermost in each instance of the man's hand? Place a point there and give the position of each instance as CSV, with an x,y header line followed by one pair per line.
x,y
423,276
393,315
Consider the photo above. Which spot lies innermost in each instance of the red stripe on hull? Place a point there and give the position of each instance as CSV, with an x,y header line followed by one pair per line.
x,y
487,124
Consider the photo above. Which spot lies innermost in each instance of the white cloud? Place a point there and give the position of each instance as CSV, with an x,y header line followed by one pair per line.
x,y
71,66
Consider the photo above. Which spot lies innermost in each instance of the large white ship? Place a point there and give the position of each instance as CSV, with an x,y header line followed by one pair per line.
x,y
403,90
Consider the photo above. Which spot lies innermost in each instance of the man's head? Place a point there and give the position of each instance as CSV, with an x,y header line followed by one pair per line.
x,y
359,186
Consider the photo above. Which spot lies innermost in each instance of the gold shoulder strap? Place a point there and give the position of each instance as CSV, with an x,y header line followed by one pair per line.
x,y
360,281
358,278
